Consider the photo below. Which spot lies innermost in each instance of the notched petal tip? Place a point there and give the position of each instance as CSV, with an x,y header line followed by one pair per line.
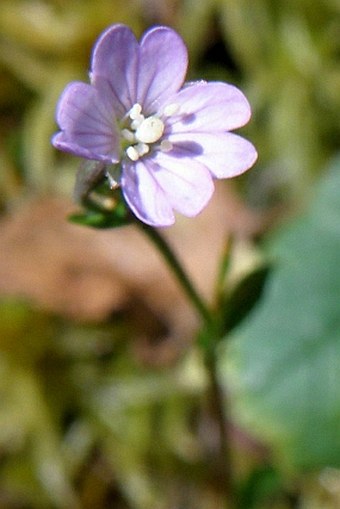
x,y
115,59
163,62
162,31
106,43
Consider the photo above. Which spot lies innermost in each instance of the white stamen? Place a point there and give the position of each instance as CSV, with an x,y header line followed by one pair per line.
x,y
128,135
171,109
132,153
135,111
112,182
137,122
166,146
141,132
142,149
150,130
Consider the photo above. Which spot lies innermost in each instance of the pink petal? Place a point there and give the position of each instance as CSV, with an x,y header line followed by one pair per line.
x,y
147,73
115,58
163,62
145,196
155,186
209,107
187,185
87,124
224,154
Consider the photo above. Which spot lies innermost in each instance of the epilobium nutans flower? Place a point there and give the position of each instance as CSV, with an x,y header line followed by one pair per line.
x,y
168,139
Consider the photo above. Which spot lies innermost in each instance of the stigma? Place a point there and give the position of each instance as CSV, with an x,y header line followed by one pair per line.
x,y
150,130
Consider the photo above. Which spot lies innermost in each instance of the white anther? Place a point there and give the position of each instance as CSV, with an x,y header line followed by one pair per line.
x,y
150,130
135,111
132,153
137,122
165,146
142,149
171,109
128,135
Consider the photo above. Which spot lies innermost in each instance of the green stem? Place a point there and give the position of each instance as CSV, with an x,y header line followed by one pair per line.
x,y
177,269
217,399
220,410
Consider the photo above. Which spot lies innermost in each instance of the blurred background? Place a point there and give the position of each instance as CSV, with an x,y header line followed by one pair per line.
x,y
102,391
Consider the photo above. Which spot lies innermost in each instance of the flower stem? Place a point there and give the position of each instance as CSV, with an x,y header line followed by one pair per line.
x,y
176,267
219,409
217,399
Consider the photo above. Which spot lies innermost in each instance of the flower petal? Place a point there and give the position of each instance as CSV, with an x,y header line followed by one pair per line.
x,y
115,58
163,62
87,124
224,154
155,186
187,184
145,196
208,107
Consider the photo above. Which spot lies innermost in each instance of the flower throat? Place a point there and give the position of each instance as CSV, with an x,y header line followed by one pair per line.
x,y
145,131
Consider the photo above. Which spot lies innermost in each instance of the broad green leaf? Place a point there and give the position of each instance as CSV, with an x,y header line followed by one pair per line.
x,y
283,364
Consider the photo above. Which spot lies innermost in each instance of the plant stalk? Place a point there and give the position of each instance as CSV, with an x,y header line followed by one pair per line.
x,y
177,269
217,399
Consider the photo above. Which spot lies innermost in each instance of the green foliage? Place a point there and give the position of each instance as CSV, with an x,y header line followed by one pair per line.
x,y
103,219
263,484
73,400
29,432
284,361
99,219
104,207
239,303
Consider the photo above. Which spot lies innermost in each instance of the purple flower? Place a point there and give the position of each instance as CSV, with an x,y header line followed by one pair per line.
x,y
167,139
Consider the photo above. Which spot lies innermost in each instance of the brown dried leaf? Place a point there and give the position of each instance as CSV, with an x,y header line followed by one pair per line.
x,y
88,274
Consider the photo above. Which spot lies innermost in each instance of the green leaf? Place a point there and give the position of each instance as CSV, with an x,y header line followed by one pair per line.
x,y
262,484
283,364
102,219
244,297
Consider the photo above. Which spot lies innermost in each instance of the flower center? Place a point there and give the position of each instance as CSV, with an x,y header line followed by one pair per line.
x,y
141,132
